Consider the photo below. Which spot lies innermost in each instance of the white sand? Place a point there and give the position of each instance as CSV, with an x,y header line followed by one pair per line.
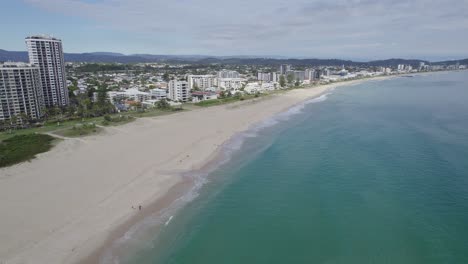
x,y
64,204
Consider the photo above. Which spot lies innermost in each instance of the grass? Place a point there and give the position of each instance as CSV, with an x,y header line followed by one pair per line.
x,y
154,112
226,100
117,120
47,127
79,130
21,148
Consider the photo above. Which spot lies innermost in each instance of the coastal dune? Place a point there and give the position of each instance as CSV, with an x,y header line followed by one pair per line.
x,y
63,205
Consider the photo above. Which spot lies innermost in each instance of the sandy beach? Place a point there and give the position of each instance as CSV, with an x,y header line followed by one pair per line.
x,y
72,200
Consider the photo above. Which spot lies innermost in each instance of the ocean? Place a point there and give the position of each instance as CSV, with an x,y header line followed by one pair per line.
x,y
371,173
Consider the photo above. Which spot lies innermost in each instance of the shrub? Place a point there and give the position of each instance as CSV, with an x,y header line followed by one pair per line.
x,y
21,148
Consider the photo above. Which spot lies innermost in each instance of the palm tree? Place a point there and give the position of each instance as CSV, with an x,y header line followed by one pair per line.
x,y
46,114
13,121
24,118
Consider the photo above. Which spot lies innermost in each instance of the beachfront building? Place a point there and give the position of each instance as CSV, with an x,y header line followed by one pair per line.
x,y
158,93
46,53
309,74
228,74
267,76
230,83
255,87
179,91
20,92
198,96
200,81
298,75
132,94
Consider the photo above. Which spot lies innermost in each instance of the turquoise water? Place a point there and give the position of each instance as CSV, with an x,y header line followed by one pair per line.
x,y
376,173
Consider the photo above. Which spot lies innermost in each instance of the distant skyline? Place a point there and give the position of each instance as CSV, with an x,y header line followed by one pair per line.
x,y
358,30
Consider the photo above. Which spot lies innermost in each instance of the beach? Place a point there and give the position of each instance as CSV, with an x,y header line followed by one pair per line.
x,y
71,202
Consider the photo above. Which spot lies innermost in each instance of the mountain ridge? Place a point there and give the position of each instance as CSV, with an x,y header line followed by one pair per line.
x,y
112,57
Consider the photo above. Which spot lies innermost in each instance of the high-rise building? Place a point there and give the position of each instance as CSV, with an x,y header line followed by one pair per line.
x,y
179,91
284,68
264,76
310,74
46,53
267,76
20,92
297,75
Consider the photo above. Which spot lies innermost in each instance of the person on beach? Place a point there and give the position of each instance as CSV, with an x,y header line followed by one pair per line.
x,y
139,207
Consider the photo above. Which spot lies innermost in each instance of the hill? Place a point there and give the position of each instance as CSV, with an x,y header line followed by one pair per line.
x,y
110,57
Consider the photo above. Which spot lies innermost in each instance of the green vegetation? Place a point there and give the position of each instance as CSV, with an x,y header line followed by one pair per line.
x,y
282,81
226,98
117,120
95,67
79,130
21,148
290,78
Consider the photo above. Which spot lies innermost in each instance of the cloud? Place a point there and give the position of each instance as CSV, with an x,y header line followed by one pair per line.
x,y
295,27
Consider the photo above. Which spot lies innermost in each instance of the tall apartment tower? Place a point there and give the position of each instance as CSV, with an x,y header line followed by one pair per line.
x,y
179,91
20,91
284,68
46,53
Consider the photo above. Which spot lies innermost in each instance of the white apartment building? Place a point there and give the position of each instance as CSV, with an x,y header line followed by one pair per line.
x,y
267,76
298,75
230,83
20,91
201,81
46,53
158,93
132,94
228,74
179,91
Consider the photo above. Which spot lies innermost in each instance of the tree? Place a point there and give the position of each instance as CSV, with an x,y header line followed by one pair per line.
x,y
91,92
195,87
297,82
166,77
101,97
163,104
24,119
290,78
3,125
282,81
13,121
222,95
46,113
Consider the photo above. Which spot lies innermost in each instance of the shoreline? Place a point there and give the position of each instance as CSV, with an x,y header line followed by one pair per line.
x,y
102,218
179,189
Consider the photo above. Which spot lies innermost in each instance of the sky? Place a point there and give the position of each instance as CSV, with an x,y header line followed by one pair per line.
x,y
353,29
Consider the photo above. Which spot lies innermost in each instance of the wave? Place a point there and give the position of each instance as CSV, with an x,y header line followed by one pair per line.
x,y
135,236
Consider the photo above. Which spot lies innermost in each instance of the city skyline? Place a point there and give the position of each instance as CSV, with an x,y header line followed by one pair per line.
x,y
358,30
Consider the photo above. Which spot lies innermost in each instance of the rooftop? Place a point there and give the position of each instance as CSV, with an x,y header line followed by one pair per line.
x,y
43,36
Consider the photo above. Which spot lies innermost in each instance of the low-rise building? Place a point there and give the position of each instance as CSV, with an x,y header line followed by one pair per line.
x,y
230,83
158,93
133,94
198,96
200,81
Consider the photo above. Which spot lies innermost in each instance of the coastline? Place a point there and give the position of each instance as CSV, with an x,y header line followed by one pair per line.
x,y
82,235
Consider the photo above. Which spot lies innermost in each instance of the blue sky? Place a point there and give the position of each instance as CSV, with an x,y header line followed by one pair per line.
x,y
352,29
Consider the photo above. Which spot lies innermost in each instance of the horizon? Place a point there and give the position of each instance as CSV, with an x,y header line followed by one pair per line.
x,y
349,30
